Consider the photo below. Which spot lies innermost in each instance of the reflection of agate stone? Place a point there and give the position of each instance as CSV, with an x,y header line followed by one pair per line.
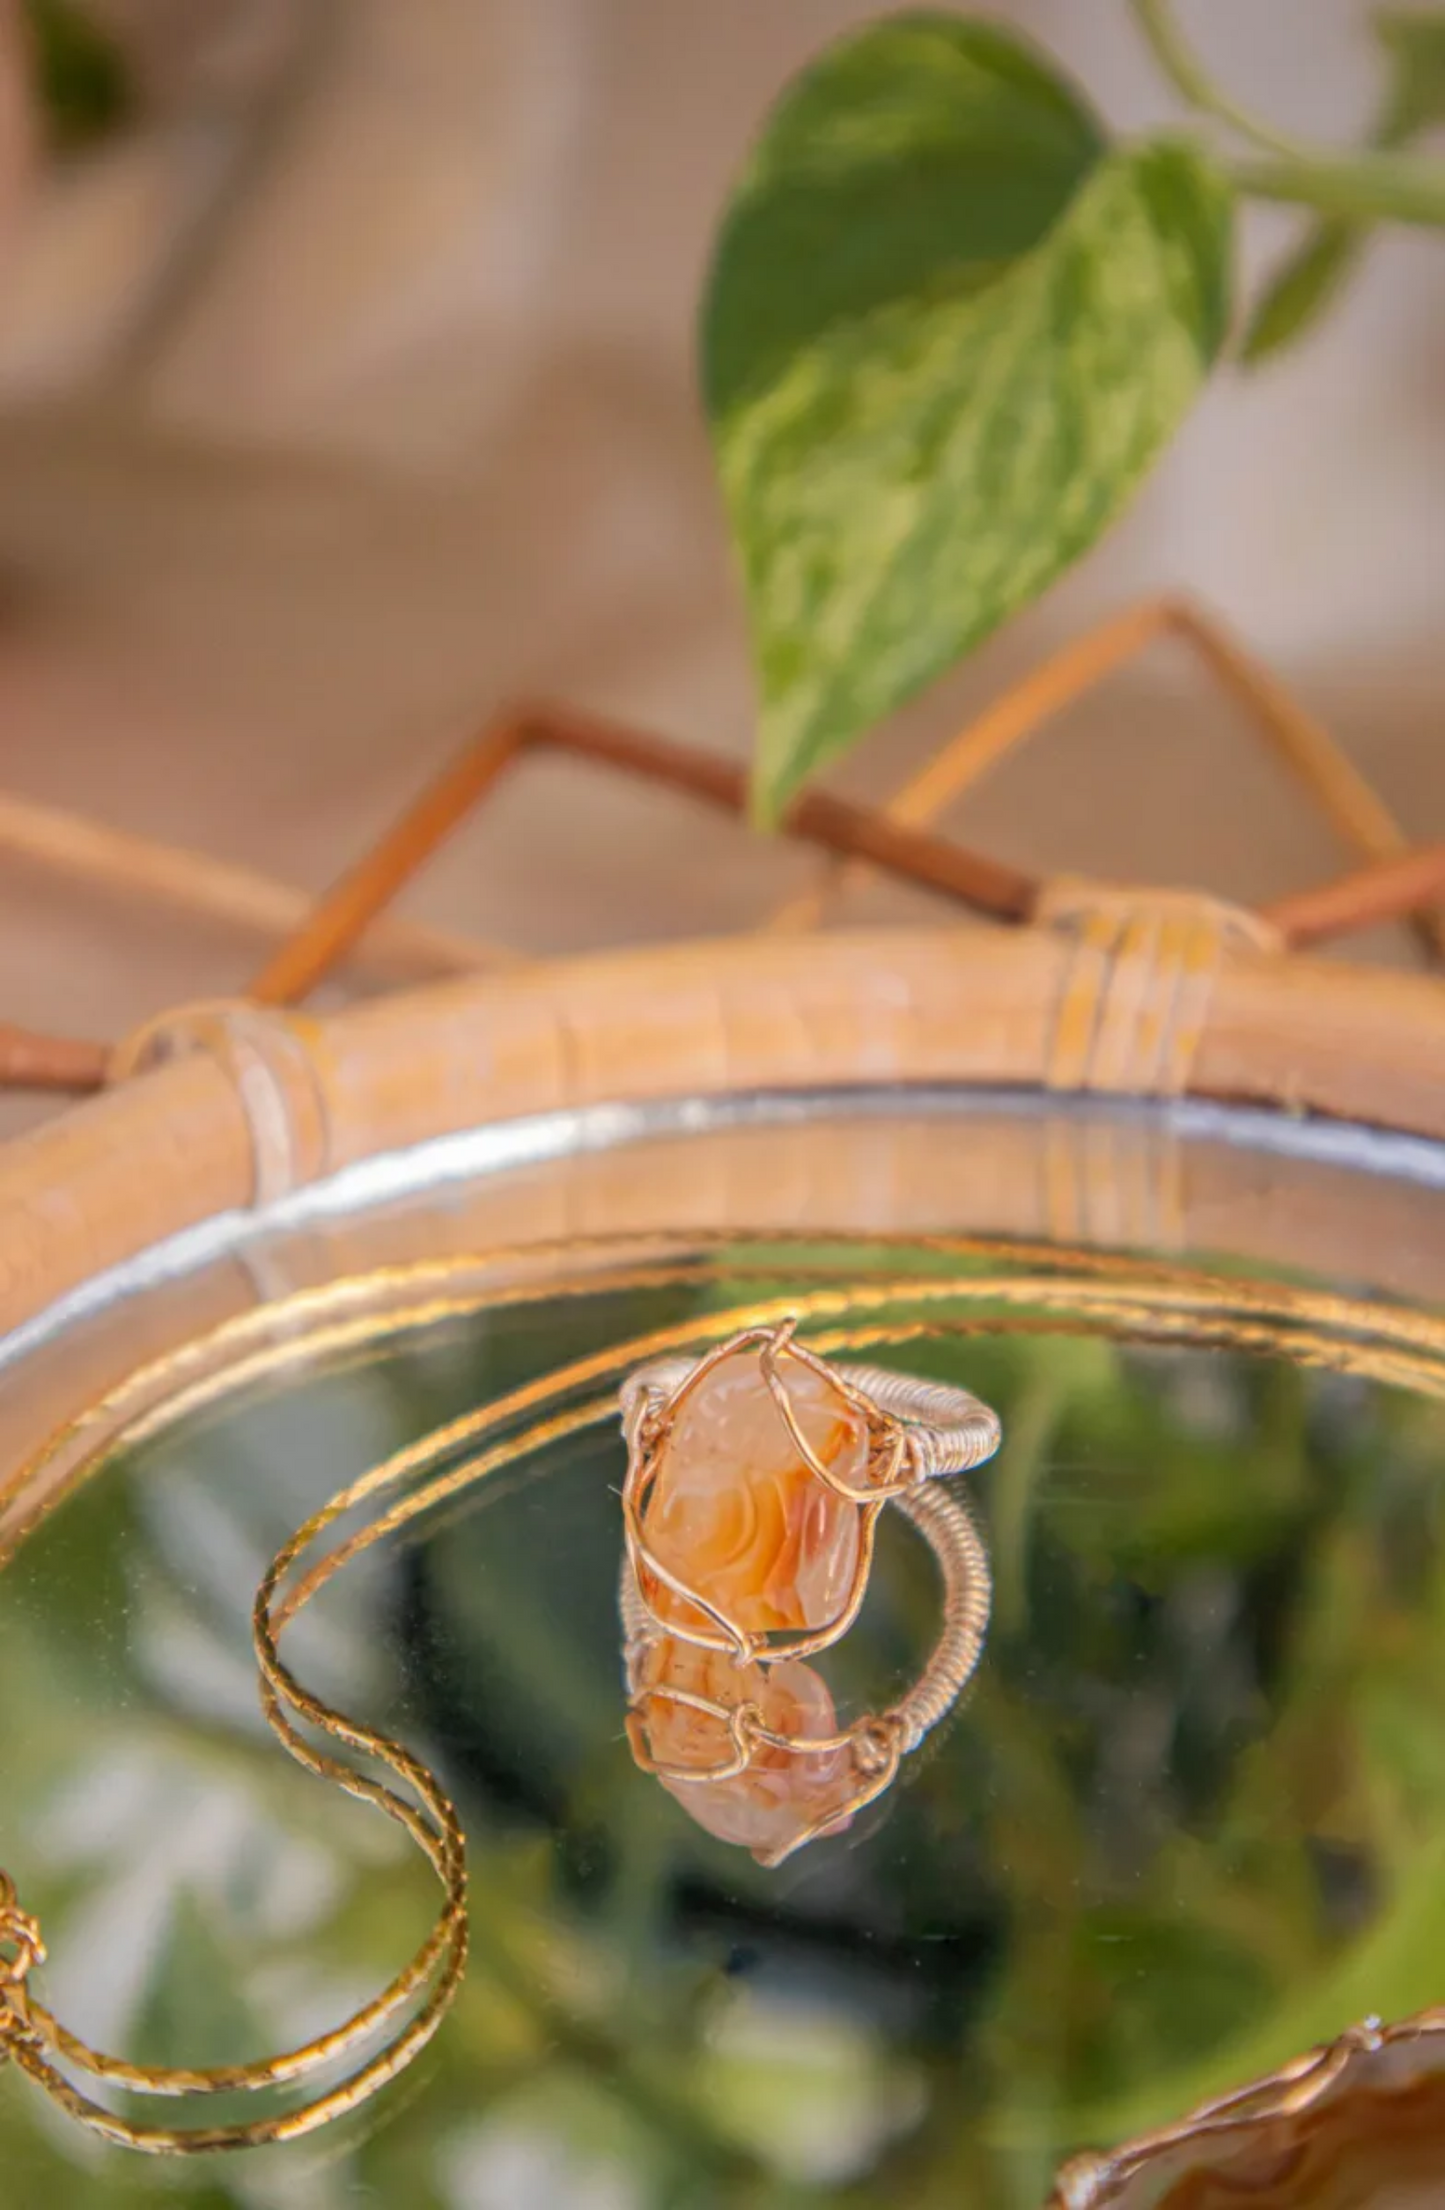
x,y
734,1510
781,1795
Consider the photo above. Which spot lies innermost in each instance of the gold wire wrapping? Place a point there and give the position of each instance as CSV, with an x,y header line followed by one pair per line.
x,y
649,1419
1040,1288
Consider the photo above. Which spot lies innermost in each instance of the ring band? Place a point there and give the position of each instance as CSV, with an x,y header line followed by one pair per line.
x,y
948,1429
721,1710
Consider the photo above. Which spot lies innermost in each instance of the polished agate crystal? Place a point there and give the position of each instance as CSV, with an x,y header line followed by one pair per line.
x,y
1360,2151
737,1514
783,1793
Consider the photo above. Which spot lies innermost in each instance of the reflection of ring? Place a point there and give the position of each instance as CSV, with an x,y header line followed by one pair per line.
x,y
754,1751
755,1477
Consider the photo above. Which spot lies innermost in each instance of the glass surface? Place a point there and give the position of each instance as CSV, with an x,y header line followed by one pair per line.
x,y
1187,1820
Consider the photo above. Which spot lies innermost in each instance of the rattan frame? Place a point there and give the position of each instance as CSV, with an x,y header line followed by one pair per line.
x,y
245,1107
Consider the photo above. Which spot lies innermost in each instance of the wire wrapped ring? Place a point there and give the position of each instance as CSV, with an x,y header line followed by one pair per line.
x,y
908,1431
720,1709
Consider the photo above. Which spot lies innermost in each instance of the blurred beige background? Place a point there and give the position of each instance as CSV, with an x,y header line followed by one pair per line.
x,y
351,391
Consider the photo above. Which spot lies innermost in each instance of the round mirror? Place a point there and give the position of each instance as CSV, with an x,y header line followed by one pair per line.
x,y
1181,1827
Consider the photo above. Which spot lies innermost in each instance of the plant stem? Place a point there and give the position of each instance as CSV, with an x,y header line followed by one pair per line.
x,y
1192,81
1364,187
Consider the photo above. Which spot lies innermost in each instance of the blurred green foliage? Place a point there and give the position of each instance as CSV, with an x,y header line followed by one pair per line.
x,y
83,85
1189,1821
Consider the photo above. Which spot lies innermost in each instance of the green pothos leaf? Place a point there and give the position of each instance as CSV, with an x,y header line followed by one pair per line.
x,y
948,330
1414,41
1306,283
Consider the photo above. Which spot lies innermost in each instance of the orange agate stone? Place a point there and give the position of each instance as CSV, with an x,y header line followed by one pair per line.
x,y
735,1512
782,1794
